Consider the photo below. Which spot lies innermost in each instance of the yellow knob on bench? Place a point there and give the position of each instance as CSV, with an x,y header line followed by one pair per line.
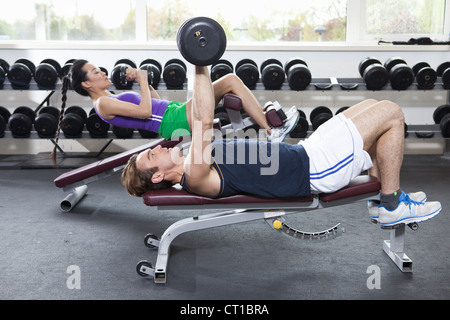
x,y
277,224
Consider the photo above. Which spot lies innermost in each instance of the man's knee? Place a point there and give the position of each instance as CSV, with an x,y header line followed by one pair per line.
x,y
392,110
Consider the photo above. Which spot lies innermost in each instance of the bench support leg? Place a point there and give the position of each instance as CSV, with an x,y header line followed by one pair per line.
x,y
394,248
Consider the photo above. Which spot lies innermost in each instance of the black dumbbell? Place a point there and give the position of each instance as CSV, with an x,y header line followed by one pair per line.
x,y
443,71
201,41
401,75
319,116
272,74
247,71
47,74
21,73
73,122
425,75
220,69
46,122
96,126
302,126
374,73
119,75
21,122
441,116
154,69
341,109
122,133
4,69
298,74
174,74
4,117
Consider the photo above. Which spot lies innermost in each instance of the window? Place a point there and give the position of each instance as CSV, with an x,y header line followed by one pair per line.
x,y
262,20
250,21
404,18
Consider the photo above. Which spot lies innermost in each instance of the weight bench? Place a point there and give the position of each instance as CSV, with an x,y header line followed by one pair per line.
x,y
245,208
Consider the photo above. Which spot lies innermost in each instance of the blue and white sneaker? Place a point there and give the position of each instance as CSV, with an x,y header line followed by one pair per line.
x,y
372,206
280,133
408,211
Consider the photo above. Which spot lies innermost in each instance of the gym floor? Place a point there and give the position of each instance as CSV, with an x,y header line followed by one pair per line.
x,y
103,237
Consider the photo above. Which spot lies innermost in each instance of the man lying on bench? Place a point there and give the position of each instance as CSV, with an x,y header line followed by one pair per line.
x,y
367,136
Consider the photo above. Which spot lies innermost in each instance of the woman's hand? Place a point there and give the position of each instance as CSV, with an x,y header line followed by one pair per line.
x,y
140,76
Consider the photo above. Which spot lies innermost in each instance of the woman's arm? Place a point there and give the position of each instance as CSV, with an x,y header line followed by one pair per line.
x,y
153,93
109,108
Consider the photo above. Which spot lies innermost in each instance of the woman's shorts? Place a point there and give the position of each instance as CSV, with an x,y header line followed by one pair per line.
x,y
336,155
174,123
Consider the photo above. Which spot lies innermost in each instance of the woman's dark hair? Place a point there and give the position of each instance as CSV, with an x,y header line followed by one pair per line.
x,y
73,80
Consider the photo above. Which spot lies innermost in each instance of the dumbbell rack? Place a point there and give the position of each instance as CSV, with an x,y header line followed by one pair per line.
x,y
317,84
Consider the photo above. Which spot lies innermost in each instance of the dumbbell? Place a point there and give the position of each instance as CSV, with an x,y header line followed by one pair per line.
x,y
374,73
47,74
4,69
153,68
46,122
301,128
272,74
119,74
220,69
298,74
147,134
73,121
441,116
201,41
443,71
122,133
174,74
401,75
96,126
425,75
247,71
319,116
4,117
21,73
21,122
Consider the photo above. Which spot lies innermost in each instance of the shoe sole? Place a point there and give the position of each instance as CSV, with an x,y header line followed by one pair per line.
x,y
411,220
296,121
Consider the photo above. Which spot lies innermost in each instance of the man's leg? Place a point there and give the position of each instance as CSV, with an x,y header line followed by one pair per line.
x,y
381,125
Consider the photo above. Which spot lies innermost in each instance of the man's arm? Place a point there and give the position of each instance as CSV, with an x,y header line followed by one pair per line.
x,y
200,177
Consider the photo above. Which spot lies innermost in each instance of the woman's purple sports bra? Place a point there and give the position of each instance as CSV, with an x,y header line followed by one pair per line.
x,y
149,124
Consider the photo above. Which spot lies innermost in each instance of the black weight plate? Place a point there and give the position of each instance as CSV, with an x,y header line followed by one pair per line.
x,y
301,129
26,111
174,75
201,41
418,66
268,62
292,62
248,73
154,62
442,67
147,134
127,62
20,125
46,76
401,77
219,70
175,61
5,65
96,126
318,110
5,113
122,133
365,63
391,62
375,76
77,110
273,76
426,78
440,112
154,74
72,125
2,126
245,61
299,77
320,119
46,125
20,76
28,63
55,65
